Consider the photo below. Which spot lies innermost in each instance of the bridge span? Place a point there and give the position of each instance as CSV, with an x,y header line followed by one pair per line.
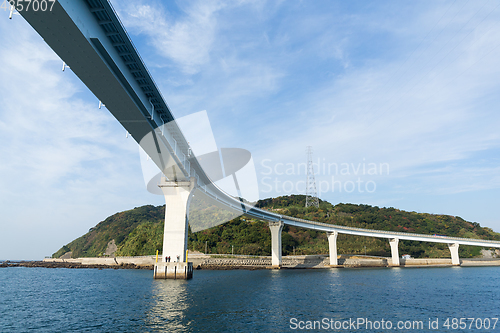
x,y
89,37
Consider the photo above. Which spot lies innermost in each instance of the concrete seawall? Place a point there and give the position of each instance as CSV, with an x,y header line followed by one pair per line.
x,y
139,261
257,262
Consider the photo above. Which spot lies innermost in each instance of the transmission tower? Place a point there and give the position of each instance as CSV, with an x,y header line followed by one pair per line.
x,y
311,193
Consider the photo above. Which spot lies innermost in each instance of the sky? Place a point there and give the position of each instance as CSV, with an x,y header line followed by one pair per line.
x,y
399,101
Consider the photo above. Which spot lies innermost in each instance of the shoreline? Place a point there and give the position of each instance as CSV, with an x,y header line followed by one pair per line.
x,y
229,262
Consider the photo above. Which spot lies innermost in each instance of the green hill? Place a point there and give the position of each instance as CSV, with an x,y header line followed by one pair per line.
x,y
119,227
140,232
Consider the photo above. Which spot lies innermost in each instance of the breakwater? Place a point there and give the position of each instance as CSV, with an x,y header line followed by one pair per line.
x,y
255,262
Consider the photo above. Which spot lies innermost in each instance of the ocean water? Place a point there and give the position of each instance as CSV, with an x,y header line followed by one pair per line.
x,y
92,300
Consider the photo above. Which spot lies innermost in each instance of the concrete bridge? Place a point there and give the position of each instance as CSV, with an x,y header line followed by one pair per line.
x,y
89,37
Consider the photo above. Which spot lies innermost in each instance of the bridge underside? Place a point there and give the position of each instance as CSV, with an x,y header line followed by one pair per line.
x,y
103,58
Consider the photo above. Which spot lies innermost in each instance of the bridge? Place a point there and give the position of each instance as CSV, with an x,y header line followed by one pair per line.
x,y
89,37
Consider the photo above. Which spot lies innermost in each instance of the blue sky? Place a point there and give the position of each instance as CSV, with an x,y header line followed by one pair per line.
x,y
407,90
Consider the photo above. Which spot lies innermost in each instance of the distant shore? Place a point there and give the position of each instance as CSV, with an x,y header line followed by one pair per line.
x,y
48,264
229,262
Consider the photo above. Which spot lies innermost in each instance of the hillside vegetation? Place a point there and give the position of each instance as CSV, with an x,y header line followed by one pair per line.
x,y
140,232
119,227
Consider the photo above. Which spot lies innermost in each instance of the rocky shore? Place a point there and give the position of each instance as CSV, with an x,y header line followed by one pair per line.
x,y
48,264
223,262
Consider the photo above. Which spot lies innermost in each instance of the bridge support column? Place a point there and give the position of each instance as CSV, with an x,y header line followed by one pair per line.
x,y
176,224
332,244
173,270
394,242
455,259
276,228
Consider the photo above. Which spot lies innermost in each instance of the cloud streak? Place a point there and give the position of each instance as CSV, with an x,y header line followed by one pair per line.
x,y
187,41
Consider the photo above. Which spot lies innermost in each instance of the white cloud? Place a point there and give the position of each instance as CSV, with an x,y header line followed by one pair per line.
x,y
429,115
425,104
187,41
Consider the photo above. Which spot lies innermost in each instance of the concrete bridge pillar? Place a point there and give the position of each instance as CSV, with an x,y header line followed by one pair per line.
x,y
173,270
332,244
176,224
394,242
455,260
276,228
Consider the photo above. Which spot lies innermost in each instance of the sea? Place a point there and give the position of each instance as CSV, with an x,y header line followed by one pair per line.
x,y
438,299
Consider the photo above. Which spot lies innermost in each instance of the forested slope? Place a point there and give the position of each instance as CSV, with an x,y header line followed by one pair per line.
x,y
139,232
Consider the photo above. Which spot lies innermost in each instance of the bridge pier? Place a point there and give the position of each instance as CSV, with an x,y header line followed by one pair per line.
x,y
176,230
173,270
332,245
394,242
455,259
276,250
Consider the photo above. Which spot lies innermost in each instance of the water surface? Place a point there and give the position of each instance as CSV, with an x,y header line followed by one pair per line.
x,y
62,300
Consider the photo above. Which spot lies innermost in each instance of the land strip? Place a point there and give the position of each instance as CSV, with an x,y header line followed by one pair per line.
x,y
225,262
